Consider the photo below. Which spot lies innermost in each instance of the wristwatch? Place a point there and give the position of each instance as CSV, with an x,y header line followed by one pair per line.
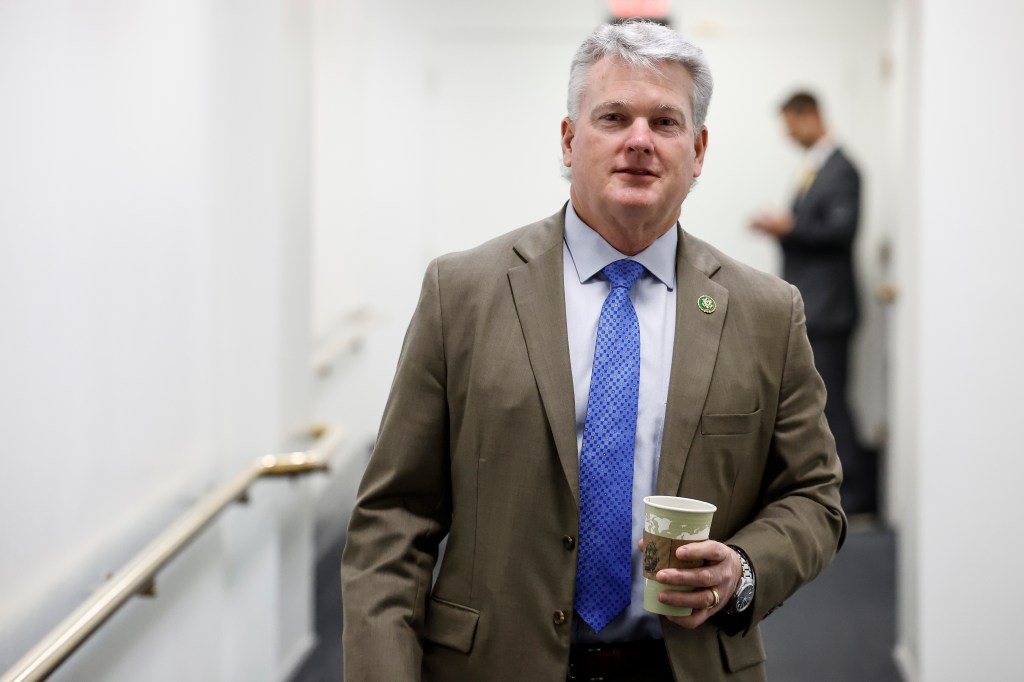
x,y
745,590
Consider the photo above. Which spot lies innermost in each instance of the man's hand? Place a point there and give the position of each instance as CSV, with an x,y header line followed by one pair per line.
x,y
773,223
721,571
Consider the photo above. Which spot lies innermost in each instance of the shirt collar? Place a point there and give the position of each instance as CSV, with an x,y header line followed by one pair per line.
x,y
819,152
590,253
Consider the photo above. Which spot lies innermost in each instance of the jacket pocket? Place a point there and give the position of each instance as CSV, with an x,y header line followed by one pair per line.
x,y
729,424
451,625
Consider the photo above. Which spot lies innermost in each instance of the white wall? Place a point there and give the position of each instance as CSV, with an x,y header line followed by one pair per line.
x,y
968,331
154,290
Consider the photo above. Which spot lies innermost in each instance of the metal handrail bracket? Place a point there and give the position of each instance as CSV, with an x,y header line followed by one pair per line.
x,y
137,576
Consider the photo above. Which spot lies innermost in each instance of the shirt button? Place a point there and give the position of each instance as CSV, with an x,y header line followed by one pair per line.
x,y
559,617
569,542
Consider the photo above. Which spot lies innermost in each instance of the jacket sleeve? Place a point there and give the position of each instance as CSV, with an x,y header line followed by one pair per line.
x,y
403,510
800,525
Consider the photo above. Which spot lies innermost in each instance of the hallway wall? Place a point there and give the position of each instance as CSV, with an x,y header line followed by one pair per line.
x,y
154,251
959,344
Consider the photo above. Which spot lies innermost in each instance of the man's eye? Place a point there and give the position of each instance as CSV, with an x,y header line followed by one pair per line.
x,y
612,117
665,122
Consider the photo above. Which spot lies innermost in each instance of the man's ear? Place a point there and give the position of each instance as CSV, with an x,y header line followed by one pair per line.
x,y
568,133
700,147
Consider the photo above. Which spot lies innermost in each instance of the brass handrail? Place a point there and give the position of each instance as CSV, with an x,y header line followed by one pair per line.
x,y
137,576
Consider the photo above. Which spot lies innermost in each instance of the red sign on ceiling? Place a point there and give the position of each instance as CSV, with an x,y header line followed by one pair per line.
x,y
655,9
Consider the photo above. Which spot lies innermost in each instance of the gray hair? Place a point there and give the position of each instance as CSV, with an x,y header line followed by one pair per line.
x,y
642,44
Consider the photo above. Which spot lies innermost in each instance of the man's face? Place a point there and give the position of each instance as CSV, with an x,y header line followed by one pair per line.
x,y
632,150
804,128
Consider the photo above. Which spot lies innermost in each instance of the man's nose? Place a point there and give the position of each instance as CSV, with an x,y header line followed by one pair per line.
x,y
640,140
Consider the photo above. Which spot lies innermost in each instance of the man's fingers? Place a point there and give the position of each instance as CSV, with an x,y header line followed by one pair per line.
x,y
703,603
708,550
706,576
716,599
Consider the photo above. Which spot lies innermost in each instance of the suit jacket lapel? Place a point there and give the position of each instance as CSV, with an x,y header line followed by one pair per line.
x,y
693,357
539,293
821,179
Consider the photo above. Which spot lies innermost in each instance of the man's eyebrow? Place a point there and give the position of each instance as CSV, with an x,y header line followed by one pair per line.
x,y
671,109
664,108
613,104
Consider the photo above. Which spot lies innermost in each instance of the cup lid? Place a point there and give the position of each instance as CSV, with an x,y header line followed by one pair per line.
x,y
686,504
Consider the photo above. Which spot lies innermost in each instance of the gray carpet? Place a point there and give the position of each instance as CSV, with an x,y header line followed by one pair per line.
x,y
839,628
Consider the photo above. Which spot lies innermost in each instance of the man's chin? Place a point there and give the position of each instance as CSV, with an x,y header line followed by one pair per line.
x,y
636,202
632,196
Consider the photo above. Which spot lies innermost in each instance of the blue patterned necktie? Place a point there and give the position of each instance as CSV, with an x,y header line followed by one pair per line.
x,y
603,585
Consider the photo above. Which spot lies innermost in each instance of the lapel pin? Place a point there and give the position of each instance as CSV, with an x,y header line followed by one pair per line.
x,y
706,304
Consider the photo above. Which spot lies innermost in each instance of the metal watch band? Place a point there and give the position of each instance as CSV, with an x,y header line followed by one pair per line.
x,y
746,583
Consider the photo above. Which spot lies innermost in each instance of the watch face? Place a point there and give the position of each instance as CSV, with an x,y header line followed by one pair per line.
x,y
744,597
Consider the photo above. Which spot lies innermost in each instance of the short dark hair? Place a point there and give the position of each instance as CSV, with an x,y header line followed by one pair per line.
x,y
800,103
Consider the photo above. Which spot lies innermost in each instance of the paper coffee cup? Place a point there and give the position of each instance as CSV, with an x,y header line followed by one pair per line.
x,y
670,522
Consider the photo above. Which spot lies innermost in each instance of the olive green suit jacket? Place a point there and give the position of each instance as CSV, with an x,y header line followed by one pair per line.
x,y
478,445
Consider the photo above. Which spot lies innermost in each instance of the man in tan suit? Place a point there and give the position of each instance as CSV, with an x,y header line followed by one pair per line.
x,y
488,438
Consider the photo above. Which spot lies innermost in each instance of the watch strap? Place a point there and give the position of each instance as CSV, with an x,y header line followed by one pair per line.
x,y
747,578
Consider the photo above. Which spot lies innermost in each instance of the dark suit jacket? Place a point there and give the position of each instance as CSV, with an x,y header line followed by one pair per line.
x,y
478,443
818,253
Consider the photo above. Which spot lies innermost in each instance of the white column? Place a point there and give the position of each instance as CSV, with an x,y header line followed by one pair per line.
x,y
962,391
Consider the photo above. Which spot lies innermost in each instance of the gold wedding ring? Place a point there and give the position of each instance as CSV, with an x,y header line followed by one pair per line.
x,y
714,593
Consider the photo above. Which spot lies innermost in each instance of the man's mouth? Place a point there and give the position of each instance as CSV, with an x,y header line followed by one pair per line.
x,y
636,171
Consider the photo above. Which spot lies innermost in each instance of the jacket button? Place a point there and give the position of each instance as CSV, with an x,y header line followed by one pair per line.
x,y
569,542
559,617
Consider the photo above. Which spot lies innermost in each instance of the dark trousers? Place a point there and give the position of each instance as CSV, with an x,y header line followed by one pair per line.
x,y
832,360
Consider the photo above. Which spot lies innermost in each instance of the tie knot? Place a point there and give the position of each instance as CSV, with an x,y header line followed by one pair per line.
x,y
623,273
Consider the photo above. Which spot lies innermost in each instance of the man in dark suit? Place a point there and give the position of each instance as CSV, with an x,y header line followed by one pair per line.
x,y
817,239
553,377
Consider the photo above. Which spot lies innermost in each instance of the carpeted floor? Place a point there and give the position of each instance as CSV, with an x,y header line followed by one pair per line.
x,y
839,628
